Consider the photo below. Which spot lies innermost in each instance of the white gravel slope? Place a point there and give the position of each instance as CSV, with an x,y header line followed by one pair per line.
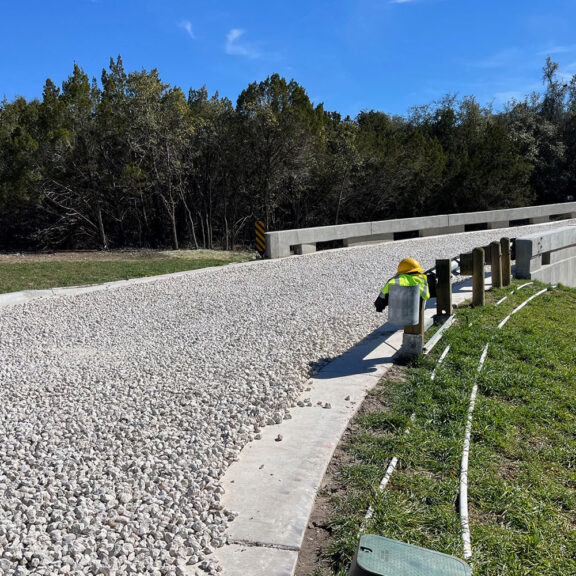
x,y
121,409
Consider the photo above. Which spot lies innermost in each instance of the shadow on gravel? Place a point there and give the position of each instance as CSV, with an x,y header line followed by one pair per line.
x,y
360,359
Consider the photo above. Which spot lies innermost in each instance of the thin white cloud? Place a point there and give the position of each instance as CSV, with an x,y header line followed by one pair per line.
x,y
187,25
402,1
235,47
557,50
501,59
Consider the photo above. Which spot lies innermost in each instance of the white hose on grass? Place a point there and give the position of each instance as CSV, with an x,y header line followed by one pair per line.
x,y
483,358
394,461
520,307
382,485
464,517
436,338
511,293
519,288
440,360
384,482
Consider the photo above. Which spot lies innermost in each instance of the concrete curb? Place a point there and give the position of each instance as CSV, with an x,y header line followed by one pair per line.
x,y
273,485
22,297
13,298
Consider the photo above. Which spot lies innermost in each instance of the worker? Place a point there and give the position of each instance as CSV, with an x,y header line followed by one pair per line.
x,y
410,273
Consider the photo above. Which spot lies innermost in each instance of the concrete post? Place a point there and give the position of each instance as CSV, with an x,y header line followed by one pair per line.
x,y
444,287
413,338
478,297
305,248
506,262
496,264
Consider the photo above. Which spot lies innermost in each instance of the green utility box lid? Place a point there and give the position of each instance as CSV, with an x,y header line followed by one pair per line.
x,y
379,556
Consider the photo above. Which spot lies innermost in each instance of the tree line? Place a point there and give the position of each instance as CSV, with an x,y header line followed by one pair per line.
x,y
133,162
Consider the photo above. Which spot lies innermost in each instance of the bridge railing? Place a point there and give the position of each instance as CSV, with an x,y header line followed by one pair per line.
x,y
549,256
283,243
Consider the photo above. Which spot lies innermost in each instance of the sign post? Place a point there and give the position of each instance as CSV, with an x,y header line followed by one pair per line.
x,y
260,237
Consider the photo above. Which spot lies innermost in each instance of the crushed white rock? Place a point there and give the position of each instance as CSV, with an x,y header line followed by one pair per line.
x,y
120,409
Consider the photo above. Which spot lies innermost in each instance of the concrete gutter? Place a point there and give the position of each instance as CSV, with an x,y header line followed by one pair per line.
x,y
273,485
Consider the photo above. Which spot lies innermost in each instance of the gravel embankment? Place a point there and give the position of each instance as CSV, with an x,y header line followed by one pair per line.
x,y
121,409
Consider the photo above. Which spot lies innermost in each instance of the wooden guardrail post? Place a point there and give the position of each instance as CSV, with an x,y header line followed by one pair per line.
x,y
478,297
506,261
444,287
466,264
496,264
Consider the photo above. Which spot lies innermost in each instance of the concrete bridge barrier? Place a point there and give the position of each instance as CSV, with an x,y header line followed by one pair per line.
x,y
305,240
549,257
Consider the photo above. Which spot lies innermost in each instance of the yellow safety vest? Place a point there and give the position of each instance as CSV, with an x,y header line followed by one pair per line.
x,y
410,280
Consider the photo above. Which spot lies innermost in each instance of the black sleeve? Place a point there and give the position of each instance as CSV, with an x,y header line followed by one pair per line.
x,y
381,302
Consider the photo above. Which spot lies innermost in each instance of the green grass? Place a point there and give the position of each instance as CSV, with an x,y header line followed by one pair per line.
x,y
522,476
59,273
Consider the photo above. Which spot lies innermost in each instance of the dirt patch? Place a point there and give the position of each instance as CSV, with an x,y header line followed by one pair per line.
x,y
123,255
313,556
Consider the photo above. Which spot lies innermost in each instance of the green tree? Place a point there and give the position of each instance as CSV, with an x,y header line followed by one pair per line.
x,y
19,174
336,167
379,145
210,160
277,128
120,177
71,185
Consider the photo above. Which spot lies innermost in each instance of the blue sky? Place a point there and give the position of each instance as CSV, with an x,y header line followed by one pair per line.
x,y
385,55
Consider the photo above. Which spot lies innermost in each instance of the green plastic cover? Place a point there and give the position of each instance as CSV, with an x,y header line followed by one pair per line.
x,y
381,556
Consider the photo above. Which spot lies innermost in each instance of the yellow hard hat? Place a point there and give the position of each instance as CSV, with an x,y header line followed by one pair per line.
x,y
409,265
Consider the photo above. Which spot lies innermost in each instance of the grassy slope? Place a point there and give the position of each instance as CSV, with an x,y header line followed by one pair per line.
x,y
522,478
36,275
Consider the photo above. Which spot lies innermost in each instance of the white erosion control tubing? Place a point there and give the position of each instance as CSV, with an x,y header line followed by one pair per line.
x,y
440,360
393,463
464,518
520,307
385,480
505,298
436,338
519,288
